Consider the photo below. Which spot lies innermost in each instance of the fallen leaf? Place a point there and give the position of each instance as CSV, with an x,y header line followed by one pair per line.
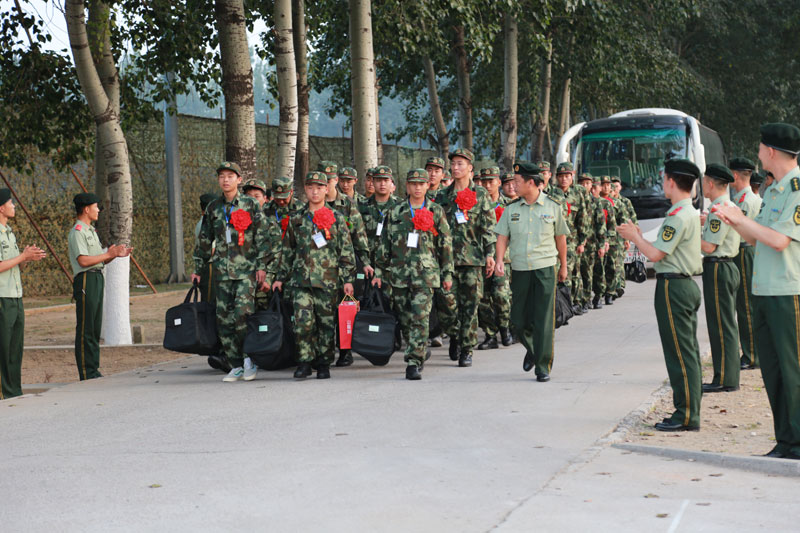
x,y
696,479
603,473
651,495
715,475
704,504
662,515
154,486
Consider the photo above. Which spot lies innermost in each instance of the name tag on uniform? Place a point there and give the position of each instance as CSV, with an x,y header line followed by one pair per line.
x,y
413,240
319,240
379,229
460,218
228,235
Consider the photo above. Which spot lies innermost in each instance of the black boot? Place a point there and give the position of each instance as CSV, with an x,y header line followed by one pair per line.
x,y
427,354
303,371
219,362
577,309
465,359
454,348
505,337
490,343
412,373
609,299
596,304
324,372
586,307
345,357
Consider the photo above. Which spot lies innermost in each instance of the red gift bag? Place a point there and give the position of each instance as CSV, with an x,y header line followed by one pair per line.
x,y
347,315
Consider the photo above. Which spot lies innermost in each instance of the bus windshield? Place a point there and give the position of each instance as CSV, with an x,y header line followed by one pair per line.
x,y
636,156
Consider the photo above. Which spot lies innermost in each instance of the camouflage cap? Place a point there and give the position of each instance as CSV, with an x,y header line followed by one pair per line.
x,y
585,176
254,184
435,161
605,179
282,187
490,173
615,179
382,171
596,179
417,175
564,167
526,168
543,165
348,173
317,177
508,176
447,175
227,165
461,152
370,172
328,167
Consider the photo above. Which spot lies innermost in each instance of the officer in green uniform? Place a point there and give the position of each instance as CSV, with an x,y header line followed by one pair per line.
x,y
576,214
348,176
471,219
12,312
676,254
415,256
234,224
743,196
624,213
720,244
317,261
775,232
534,231
435,168
494,312
88,260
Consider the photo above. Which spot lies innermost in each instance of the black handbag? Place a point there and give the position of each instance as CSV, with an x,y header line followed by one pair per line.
x,y
636,271
374,328
563,305
191,327
270,341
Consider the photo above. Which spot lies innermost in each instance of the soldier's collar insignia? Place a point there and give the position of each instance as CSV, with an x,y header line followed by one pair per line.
x,y
78,227
742,198
668,233
675,212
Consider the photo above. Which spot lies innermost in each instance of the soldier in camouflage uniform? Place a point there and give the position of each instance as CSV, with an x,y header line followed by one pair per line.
x,y
369,187
283,203
257,190
584,297
548,186
613,260
473,245
316,262
348,177
435,168
444,302
576,216
377,207
599,283
627,214
415,260
494,312
238,268
447,179
509,191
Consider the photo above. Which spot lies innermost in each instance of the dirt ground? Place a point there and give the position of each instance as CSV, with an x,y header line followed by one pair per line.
x,y
738,422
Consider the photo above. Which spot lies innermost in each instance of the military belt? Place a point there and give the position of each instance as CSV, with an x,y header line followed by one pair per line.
x,y
745,245
671,275
717,259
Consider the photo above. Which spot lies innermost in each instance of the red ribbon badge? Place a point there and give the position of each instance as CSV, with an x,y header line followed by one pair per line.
x,y
284,225
324,220
241,221
466,200
423,220
569,209
498,212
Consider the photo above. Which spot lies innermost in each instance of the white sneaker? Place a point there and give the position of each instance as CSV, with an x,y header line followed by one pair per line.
x,y
234,375
250,370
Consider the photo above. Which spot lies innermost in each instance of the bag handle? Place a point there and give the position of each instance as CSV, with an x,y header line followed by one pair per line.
x,y
376,300
193,291
275,301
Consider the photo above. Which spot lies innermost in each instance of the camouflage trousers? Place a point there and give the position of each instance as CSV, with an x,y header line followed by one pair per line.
x,y
587,261
599,278
494,311
234,303
413,309
574,279
468,290
315,324
445,304
614,269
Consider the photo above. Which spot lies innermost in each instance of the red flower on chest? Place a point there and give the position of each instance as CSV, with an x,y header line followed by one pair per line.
x,y
324,220
498,211
423,220
240,219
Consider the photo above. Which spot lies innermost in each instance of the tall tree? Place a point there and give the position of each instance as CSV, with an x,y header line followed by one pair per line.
x,y
510,92
363,86
301,63
542,115
287,89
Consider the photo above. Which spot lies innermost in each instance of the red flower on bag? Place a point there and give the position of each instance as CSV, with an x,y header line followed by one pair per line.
x,y
324,220
466,200
241,221
423,220
284,225
498,212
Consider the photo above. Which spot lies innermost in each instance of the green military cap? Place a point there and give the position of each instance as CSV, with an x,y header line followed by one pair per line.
x,y
5,195
584,177
462,152
490,173
508,176
719,172
227,165
615,179
435,161
741,163
85,198
596,179
206,199
757,178
526,168
382,171
447,174
476,175
282,187
543,165
605,179
328,167
417,175
255,184
783,137
682,167
564,167
348,173
317,177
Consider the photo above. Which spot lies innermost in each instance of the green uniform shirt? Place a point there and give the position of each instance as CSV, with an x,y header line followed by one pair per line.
x,y
10,282
747,201
679,238
717,232
778,273
83,240
531,230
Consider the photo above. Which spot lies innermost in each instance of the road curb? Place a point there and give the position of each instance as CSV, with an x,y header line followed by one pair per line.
x,y
764,465
626,425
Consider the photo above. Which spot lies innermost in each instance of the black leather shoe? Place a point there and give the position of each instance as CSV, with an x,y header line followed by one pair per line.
x,y
427,354
619,294
791,455
577,309
775,453
219,363
412,373
527,363
708,387
324,372
490,343
542,378
454,349
747,366
609,299
505,337
436,342
345,358
670,426
465,359
597,304
303,371
586,307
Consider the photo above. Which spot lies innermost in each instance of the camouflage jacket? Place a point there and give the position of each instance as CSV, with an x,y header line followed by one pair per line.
x,y
554,191
275,213
474,240
597,217
619,217
355,224
231,261
629,213
304,265
502,201
427,265
576,214
373,213
431,195
610,217
357,198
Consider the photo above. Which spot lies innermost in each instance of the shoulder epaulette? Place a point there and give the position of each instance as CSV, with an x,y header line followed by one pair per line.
x,y
554,199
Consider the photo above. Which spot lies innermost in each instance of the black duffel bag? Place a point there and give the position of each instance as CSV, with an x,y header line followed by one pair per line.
x,y
270,341
374,328
636,271
563,305
191,327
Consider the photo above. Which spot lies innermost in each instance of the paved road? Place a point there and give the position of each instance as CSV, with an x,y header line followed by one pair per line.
x,y
172,448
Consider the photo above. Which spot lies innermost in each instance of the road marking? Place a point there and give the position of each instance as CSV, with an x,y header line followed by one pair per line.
x,y
677,520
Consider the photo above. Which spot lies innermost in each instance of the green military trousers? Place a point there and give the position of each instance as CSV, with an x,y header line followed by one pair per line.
x,y
494,311
599,278
574,279
12,329
744,306
87,290
468,290
720,282
445,304
235,300
208,284
533,313
315,324
776,320
413,308
587,259
677,301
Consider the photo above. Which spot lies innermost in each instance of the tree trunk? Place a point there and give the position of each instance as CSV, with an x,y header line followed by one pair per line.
x,y
363,86
301,163
544,103
442,139
464,96
115,173
237,86
563,121
378,135
510,92
287,89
